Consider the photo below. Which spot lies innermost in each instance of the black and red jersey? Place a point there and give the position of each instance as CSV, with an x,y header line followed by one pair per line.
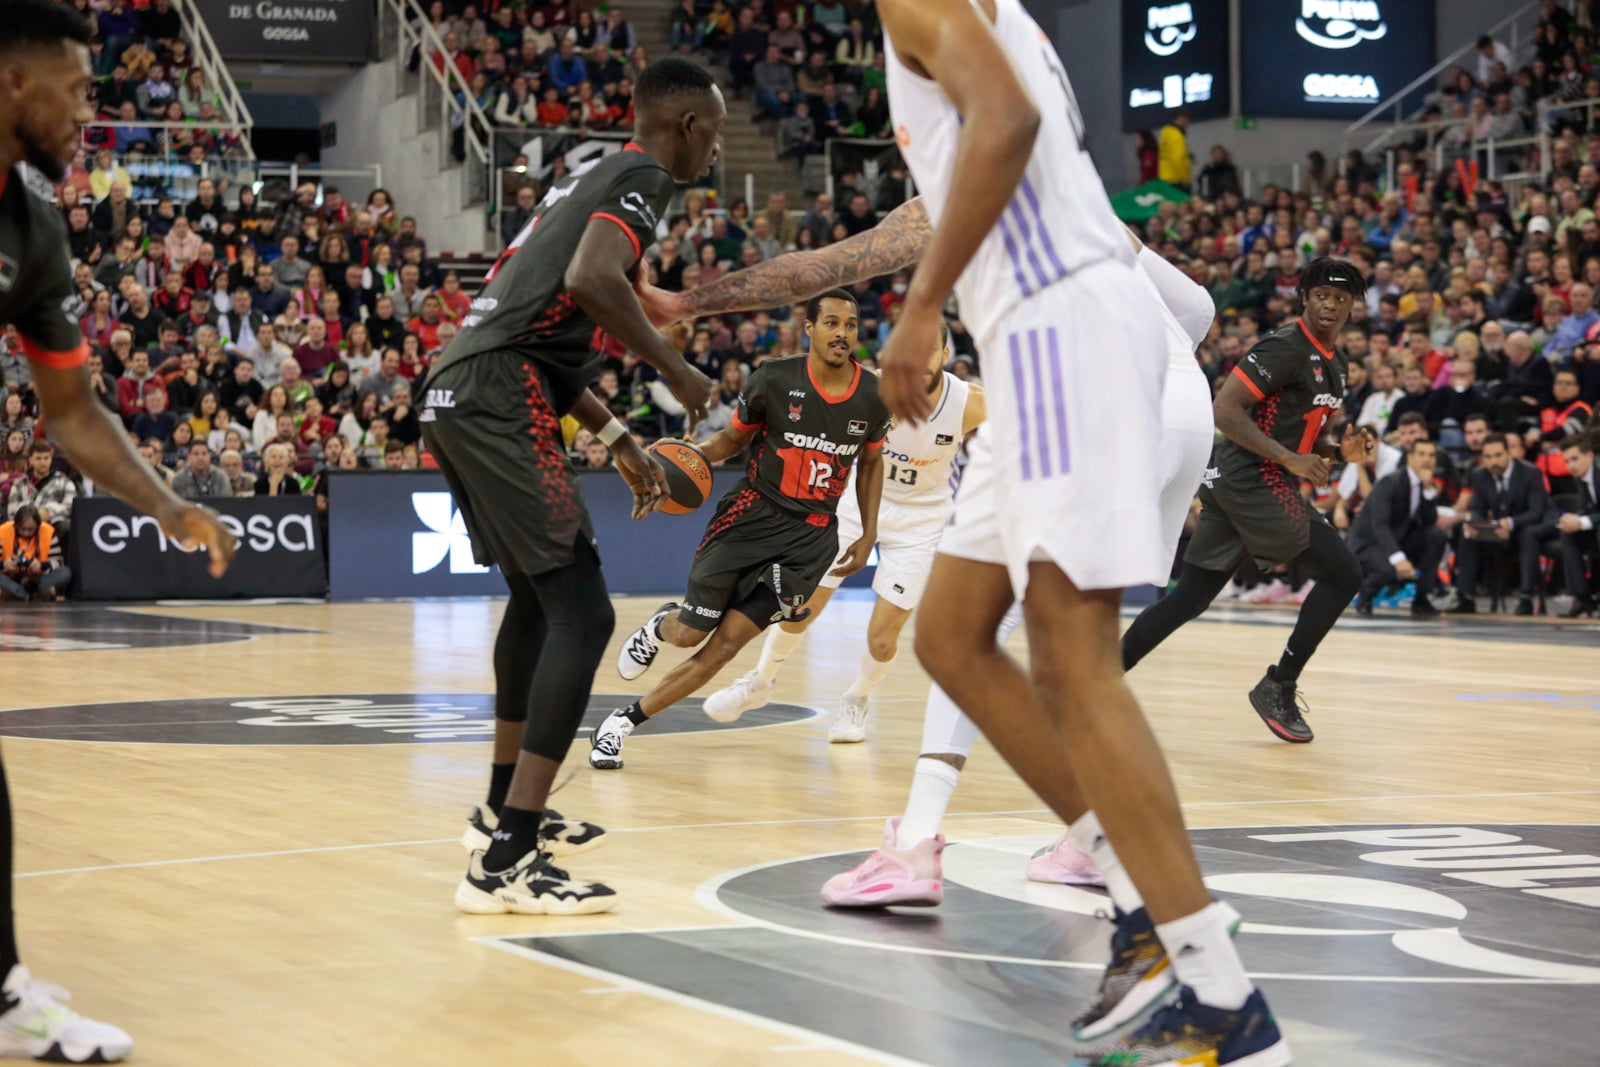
x,y
36,288
806,440
1298,385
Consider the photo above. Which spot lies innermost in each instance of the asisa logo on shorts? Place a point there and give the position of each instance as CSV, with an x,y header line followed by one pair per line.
x,y
446,536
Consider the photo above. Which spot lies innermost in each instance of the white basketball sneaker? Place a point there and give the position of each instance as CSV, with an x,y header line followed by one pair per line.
x,y
35,1024
639,650
746,694
850,724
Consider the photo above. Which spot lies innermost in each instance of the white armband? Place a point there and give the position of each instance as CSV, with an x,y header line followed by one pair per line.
x,y
610,432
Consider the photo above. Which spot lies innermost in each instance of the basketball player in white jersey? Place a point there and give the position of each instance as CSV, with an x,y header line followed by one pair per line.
x,y
1066,512
918,494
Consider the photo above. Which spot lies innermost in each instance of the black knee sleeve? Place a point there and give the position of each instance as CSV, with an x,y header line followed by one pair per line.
x,y
579,620
516,649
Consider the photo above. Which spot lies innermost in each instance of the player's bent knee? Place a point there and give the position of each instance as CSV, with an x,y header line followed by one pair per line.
x,y
678,634
883,649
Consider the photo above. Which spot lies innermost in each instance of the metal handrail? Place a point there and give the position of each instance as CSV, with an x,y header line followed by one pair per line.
x,y
216,71
1397,99
413,31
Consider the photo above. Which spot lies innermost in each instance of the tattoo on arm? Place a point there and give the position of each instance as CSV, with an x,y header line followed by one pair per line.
x,y
896,242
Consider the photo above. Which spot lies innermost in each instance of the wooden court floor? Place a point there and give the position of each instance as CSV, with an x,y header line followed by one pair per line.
x,y
232,899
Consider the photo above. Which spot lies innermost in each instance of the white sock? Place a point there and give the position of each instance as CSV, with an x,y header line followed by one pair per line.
x,y
931,788
779,646
1201,950
1087,835
867,678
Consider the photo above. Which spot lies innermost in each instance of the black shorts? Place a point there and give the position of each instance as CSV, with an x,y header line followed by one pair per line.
x,y
490,423
758,559
1244,515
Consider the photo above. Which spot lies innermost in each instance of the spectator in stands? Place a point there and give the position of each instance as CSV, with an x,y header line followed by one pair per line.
x,y
855,53
155,422
292,379
1574,327
513,221
410,294
269,354
1449,405
1508,504
44,487
566,70
384,381
269,298
374,441
199,479
797,134
290,269
1397,536
104,385
186,387
277,477
1567,415
155,93
833,116
240,483
290,327
132,385
773,78
264,426
426,324
1176,161
1415,397
25,568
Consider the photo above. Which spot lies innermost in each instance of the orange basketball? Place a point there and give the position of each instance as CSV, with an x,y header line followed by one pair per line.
x,y
688,475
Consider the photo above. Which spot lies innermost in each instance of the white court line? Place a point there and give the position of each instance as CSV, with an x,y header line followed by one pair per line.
x,y
805,822
802,1037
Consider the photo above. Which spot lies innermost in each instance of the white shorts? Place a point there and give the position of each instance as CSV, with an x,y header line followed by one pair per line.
x,y
908,539
1071,471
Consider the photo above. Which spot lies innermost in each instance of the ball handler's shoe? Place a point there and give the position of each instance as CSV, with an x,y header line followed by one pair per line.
x,y
35,1024
558,835
1279,707
605,744
910,877
534,886
746,694
639,650
1189,1032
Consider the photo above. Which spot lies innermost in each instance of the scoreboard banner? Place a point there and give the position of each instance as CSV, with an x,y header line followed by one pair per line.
x,y
291,31
1330,59
1174,55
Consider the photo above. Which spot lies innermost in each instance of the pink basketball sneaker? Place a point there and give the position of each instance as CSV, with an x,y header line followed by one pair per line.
x,y
909,876
1064,863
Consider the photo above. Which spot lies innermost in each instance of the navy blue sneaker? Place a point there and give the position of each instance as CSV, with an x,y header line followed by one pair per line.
x,y
1187,1032
1138,976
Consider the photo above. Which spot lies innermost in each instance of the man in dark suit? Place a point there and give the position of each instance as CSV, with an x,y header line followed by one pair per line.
x,y
1509,502
1396,535
1580,527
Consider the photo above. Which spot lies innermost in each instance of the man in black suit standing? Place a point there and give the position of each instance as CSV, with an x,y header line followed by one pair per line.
x,y
1396,536
1509,502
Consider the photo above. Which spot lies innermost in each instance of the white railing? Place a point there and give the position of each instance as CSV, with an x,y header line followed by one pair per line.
x,y
444,97
1396,101
209,60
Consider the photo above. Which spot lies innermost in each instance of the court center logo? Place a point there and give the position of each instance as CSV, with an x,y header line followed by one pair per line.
x,y
446,536
326,719
1168,27
1340,24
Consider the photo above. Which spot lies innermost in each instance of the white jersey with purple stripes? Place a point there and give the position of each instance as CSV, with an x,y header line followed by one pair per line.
x,y
1060,219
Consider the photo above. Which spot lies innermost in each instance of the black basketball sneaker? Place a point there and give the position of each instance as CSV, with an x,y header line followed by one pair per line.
x,y
558,835
534,886
1279,706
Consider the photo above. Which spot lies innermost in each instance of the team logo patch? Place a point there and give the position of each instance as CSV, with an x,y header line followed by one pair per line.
x,y
1318,372
899,588
944,439
857,428
8,273
794,412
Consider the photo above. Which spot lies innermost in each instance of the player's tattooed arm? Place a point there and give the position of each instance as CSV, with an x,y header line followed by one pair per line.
x,y
893,244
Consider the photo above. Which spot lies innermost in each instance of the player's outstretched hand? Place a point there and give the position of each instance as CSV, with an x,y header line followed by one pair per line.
x,y
903,364
660,307
1357,446
194,526
853,558
643,474
693,391
1309,466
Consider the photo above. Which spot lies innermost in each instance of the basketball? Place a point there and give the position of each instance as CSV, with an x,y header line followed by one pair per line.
x,y
688,475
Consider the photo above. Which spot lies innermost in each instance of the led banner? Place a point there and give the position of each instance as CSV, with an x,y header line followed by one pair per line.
x,y
1332,59
1174,55
291,31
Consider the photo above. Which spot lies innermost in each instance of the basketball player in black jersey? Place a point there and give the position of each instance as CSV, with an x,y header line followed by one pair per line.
x,y
44,82
1272,411
807,420
492,408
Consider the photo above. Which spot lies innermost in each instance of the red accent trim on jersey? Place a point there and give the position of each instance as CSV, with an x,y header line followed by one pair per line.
x,y
875,445
829,397
818,518
1238,372
632,146
637,251
742,426
77,357
1314,424
1314,342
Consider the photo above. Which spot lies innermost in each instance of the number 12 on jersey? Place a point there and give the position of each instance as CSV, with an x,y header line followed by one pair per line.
x,y
807,474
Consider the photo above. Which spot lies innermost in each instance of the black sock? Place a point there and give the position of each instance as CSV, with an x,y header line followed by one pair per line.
x,y
515,837
499,785
634,713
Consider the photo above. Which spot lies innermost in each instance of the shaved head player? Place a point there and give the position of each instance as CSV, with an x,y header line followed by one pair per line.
x,y
44,83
